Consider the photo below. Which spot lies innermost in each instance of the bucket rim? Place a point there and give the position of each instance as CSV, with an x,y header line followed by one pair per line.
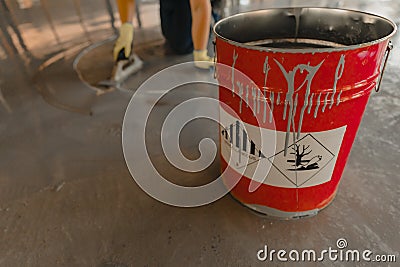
x,y
306,50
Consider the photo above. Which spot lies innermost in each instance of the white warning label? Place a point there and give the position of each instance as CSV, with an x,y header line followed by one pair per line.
x,y
260,155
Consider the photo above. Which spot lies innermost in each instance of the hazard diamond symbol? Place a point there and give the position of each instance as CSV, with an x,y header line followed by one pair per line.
x,y
304,160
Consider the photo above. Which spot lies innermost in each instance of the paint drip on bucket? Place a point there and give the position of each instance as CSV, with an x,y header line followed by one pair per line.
x,y
292,94
310,83
290,78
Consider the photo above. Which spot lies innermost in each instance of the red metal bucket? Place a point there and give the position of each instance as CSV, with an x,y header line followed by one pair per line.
x,y
315,69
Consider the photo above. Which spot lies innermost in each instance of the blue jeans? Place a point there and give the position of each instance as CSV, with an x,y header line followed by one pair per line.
x,y
176,25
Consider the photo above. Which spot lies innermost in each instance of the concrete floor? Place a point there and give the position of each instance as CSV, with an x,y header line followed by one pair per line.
x,y
66,195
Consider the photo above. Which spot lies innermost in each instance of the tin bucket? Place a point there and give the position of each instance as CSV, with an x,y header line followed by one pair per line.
x,y
315,69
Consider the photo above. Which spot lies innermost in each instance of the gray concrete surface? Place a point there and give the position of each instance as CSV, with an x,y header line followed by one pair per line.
x,y
67,198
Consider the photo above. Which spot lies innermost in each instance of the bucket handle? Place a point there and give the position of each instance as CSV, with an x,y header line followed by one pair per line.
x,y
387,52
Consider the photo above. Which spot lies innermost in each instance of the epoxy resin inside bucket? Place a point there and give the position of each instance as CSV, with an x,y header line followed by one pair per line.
x,y
316,27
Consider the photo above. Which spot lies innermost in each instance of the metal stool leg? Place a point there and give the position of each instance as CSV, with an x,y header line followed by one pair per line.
x,y
137,6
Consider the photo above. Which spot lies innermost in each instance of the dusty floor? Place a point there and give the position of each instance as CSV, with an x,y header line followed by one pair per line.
x,y
66,195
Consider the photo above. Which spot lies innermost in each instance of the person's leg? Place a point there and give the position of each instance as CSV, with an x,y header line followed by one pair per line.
x,y
201,18
176,23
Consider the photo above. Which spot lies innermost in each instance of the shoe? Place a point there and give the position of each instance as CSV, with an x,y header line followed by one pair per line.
x,y
202,60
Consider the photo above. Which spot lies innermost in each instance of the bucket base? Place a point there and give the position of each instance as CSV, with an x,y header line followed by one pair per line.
x,y
269,212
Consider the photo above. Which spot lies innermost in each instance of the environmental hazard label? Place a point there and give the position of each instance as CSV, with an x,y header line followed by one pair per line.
x,y
260,154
